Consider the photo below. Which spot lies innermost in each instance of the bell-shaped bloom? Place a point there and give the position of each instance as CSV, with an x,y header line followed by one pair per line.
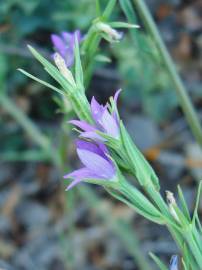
x,y
64,45
97,164
174,263
106,120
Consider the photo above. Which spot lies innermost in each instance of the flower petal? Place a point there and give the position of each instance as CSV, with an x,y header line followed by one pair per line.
x,y
66,36
96,109
59,44
69,57
90,146
109,124
92,135
82,125
97,164
116,96
77,34
82,173
73,183
115,112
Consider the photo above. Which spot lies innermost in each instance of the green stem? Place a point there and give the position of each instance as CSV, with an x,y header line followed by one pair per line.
x,y
92,42
184,99
193,247
122,229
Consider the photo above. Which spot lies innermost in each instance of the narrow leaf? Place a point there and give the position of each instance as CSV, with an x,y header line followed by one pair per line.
x,y
123,25
98,9
183,203
108,10
137,207
140,166
128,10
197,202
186,258
78,66
160,264
199,223
51,69
40,81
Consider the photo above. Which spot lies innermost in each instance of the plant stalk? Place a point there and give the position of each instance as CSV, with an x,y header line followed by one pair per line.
x,y
183,97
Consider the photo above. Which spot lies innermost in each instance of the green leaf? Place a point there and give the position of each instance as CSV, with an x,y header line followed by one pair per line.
x,y
128,10
78,66
41,81
184,265
122,25
197,202
51,69
160,264
140,167
182,218
198,222
102,58
98,9
108,10
183,203
149,212
186,257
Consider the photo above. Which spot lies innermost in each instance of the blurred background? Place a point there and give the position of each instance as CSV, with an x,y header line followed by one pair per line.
x,y
42,226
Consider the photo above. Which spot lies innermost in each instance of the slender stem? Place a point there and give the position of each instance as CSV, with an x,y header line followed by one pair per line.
x,y
92,42
122,229
193,247
184,99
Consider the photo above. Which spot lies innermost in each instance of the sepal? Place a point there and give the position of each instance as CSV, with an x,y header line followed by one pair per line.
x,y
139,165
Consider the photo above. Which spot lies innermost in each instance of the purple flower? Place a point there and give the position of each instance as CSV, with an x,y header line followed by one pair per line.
x,y
105,121
174,263
64,44
96,163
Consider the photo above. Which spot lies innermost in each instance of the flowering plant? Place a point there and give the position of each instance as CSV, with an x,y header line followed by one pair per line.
x,y
107,151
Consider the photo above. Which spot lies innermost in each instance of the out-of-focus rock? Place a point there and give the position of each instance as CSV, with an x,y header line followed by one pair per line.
x,y
144,131
41,253
32,215
5,225
7,249
6,173
5,266
194,160
5,193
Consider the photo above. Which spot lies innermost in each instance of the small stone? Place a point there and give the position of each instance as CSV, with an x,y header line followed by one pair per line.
x,y
32,215
194,160
40,253
144,131
5,266
5,225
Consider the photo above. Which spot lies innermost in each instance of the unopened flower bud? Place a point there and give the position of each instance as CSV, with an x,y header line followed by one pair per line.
x,y
60,63
111,32
171,203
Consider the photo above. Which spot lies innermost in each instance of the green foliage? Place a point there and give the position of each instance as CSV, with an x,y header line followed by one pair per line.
x,y
160,264
139,166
